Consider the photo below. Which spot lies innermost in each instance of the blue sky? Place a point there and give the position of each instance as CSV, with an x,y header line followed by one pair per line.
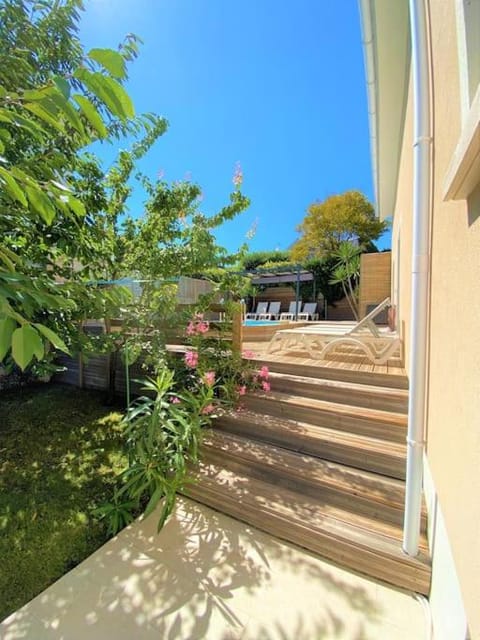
x,y
277,86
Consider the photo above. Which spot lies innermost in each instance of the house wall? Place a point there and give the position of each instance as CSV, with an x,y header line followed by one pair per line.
x,y
402,234
453,384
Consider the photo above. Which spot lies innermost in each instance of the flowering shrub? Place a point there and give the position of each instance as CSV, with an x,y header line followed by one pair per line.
x,y
210,360
163,430
191,359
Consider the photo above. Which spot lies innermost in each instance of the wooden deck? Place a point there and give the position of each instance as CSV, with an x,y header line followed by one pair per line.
x,y
347,358
320,461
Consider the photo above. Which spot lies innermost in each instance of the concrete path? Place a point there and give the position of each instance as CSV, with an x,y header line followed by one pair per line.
x,y
208,576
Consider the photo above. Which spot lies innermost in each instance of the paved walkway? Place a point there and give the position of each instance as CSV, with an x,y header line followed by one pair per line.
x,y
208,576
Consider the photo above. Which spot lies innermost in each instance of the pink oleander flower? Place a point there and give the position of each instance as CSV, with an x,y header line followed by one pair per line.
x,y
190,330
242,390
266,386
175,400
209,378
203,327
208,409
264,372
247,354
191,359
237,176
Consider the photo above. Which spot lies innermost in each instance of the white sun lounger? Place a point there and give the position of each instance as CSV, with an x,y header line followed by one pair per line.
x,y
261,308
293,310
309,311
321,338
272,313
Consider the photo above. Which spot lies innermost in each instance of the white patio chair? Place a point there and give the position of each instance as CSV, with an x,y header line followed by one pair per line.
x,y
321,338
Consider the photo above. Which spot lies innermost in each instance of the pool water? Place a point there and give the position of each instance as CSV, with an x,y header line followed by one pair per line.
x,y
259,323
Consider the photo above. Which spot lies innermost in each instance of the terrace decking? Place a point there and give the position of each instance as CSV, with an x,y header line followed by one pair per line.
x,y
346,358
320,462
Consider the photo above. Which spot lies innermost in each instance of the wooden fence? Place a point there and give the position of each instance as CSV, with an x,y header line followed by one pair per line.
x,y
375,281
97,371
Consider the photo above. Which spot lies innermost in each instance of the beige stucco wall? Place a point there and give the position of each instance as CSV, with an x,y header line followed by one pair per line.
x,y
453,401
402,235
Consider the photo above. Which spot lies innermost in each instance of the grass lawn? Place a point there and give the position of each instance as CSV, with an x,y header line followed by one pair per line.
x,y
59,451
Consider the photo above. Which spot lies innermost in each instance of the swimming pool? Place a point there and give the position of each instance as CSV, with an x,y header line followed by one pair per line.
x,y
260,323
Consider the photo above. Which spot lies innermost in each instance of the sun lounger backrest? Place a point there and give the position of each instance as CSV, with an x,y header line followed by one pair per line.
x,y
274,308
367,321
310,308
262,307
292,308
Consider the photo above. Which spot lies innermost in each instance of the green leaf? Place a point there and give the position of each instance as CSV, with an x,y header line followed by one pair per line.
x,y
43,114
63,86
26,343
91,115
111,60
9,258
121,96
5,135
52,337
6,115
109,91
33,127
65,107
12,187
76,206
152,503
38,94
41,203
7,327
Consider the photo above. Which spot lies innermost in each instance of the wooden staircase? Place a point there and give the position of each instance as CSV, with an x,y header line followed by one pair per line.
x,y
320,462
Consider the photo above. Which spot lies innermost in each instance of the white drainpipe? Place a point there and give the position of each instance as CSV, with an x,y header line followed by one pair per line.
x,y
368,47
420,275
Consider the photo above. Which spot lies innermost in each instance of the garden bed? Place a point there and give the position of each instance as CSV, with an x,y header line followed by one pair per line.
x,y
60,450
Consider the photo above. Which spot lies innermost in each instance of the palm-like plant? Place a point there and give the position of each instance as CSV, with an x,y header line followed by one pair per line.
x,y
347,272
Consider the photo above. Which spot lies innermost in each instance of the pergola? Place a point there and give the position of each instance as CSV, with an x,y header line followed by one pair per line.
x,y
278,276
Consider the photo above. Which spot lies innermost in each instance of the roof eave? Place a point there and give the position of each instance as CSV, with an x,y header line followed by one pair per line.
x,y
386,43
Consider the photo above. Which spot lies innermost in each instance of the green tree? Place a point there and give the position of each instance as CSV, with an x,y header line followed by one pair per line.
x,y
348,217
55,100
63,219
257,259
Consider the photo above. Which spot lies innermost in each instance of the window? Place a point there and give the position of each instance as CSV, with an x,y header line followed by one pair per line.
x,y
470,70
464,172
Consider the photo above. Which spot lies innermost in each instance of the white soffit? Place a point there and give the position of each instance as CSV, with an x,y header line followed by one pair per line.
x,y
387,57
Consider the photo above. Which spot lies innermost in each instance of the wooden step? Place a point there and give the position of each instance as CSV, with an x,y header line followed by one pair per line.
x,y
361,452
372,423
360,395
393,381
367,494
332,533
